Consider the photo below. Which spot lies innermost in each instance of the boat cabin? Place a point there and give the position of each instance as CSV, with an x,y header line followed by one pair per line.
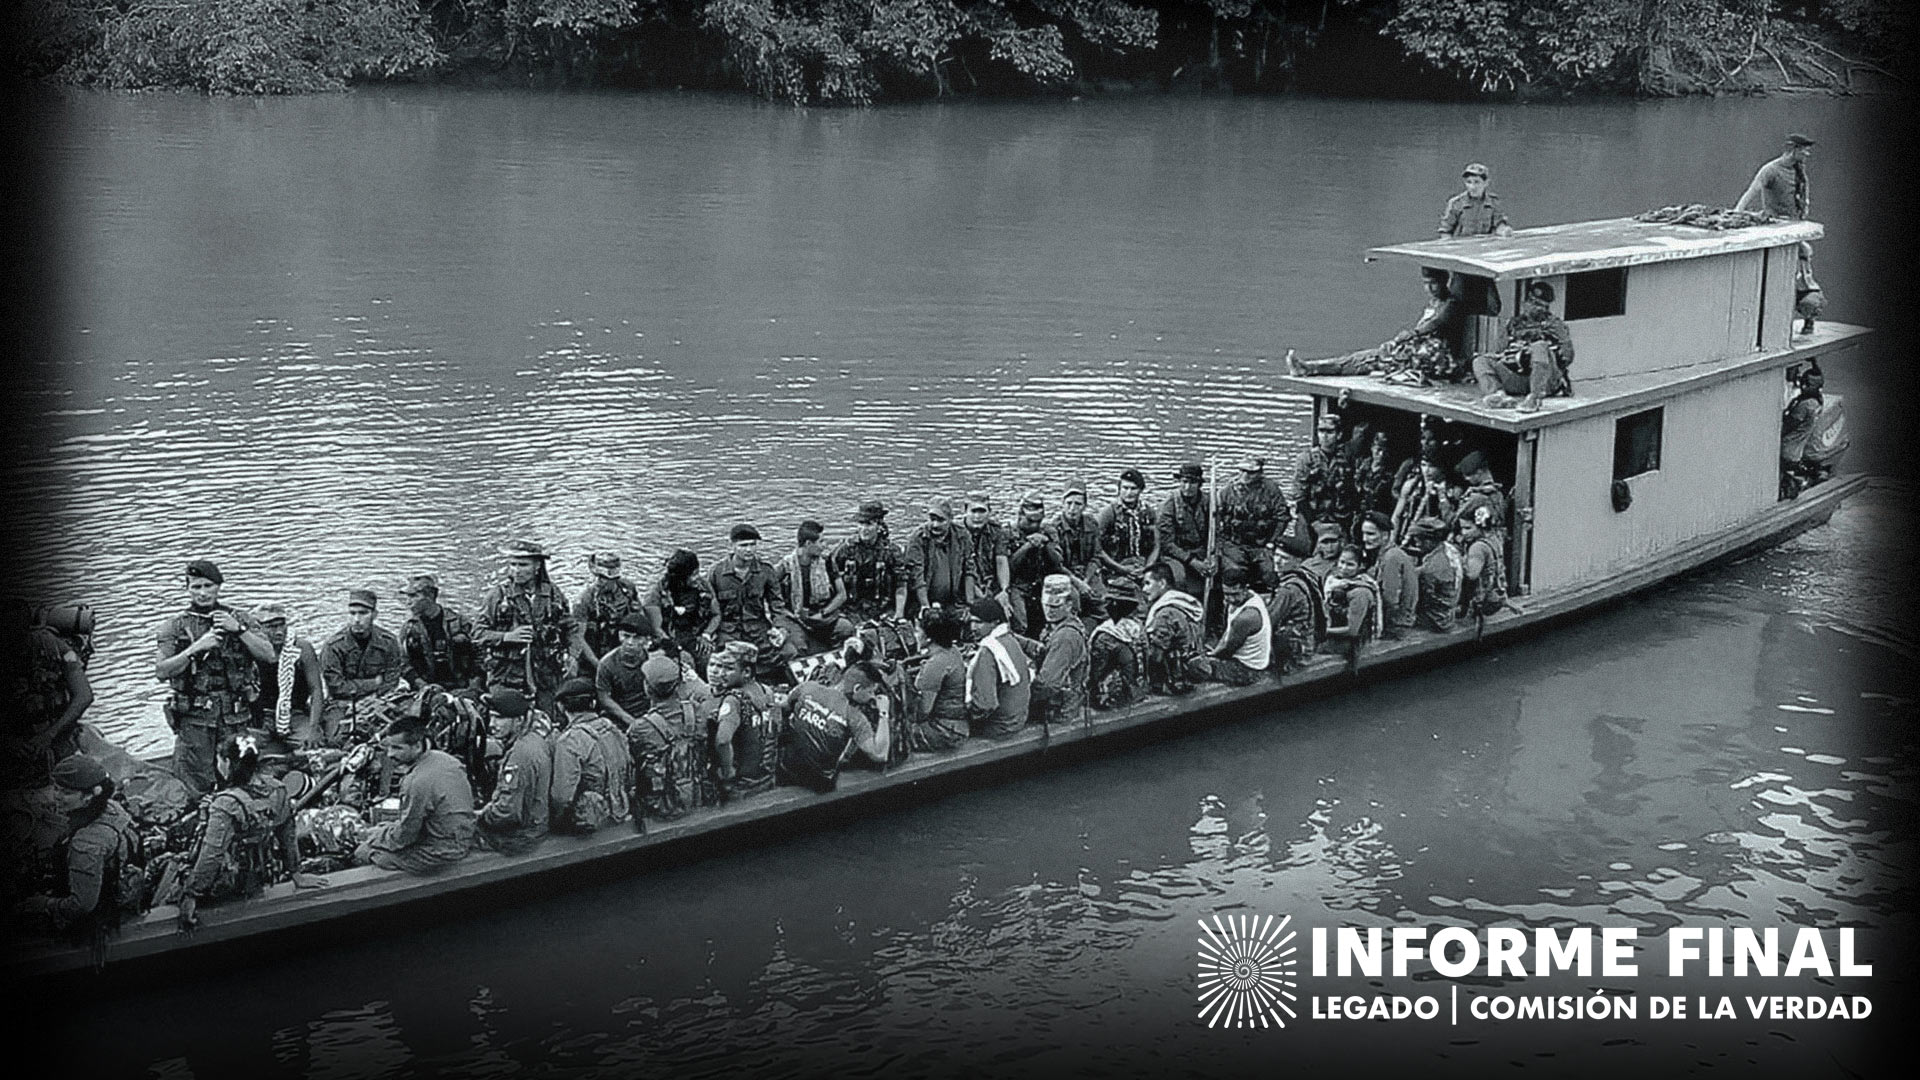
x,y
1685,347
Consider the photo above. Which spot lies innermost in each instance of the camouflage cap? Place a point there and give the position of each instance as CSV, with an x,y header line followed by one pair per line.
x,y
871,510
419,584
604,563
522,549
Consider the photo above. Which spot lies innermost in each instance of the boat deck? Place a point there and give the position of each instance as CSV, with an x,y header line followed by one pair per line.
x,y
354,893
1460,402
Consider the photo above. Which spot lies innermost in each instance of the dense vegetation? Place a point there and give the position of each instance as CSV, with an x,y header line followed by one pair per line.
x,y
860,51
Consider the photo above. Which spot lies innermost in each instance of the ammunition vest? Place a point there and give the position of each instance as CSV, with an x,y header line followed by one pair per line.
x,y
545,609
1126,536
871,571
1253,513
756,742
684,608
224,680
743,599
251,854
435,649
1489,592
1077,542
807,588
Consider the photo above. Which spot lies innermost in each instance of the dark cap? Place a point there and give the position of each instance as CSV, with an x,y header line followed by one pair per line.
x,y
79,772
1428,528
505,701
1434,273
204,568
1540,289
1135,477
1797,139
743,531
1472,463
1253,463
522,549
1476,169
421,583
635,622
987,610
1192,470
576,689
363,598
871,510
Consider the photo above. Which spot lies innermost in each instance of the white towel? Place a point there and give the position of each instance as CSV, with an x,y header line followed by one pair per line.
x,y
993,645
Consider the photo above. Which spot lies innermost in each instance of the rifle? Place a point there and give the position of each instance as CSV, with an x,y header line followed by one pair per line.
x,y
1213,528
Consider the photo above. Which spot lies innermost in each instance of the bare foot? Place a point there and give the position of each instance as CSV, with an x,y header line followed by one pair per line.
x,y
1293,365
1531,404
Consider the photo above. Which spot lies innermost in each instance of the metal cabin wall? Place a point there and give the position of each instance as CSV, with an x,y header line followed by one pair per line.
x,y
1719,464
1677,313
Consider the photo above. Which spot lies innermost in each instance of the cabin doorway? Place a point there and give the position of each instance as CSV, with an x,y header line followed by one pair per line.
x,y
1375,433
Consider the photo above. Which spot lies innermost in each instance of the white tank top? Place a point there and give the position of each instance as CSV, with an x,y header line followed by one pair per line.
x,y
1257,651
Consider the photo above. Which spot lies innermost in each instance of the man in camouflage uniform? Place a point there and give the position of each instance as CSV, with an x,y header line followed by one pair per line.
x,y
210,655
1182,529
1321,475
526,632
669,742
873,568
1129,541
1077,534
989,550
361,660
1035,554
602,605
1253,515
1061,680
438,640
747,589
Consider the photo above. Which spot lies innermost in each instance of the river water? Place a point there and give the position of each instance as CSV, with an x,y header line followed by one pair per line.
x,y
332,341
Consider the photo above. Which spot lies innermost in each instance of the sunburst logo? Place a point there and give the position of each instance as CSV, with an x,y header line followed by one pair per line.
x,y
1247,971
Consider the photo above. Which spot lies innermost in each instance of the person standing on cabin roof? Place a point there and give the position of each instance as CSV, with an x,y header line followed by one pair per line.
x,y
812,592
872,567
1128,539
361,660
1253,516
1535,362
1245,651
438,640
1475,211
435,826
210,655
601,606
526,631
1779,188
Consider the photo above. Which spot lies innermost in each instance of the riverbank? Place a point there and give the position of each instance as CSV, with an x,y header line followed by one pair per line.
x,y
870,53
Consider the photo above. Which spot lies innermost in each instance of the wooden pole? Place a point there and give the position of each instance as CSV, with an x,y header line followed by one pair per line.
x,y
1213,529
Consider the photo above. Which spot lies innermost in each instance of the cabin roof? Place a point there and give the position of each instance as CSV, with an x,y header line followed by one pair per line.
x,y
1460,402
1592,245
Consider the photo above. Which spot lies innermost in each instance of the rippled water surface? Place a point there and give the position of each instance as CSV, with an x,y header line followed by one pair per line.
x,y
333,341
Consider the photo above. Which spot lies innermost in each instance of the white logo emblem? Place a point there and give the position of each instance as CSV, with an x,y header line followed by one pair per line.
x,y
1247,970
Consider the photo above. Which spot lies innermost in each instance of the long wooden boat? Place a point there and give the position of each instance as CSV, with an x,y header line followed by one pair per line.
x,y
1546,448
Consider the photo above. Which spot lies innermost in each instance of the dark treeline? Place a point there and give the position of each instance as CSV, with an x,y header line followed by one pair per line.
x,y
863,51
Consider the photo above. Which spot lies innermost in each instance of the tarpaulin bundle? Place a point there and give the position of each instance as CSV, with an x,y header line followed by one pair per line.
x,y
1702,216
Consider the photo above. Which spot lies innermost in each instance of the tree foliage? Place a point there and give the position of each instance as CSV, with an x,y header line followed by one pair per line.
x,y
859,51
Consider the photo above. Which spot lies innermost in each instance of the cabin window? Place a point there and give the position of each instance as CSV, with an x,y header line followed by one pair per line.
x,y
1636,443
1597,294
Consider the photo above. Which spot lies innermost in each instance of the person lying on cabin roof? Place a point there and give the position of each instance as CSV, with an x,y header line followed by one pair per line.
x,y
1416,356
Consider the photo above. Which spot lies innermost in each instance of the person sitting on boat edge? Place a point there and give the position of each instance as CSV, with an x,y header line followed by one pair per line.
x,y
1327,539
1536,360
435,826
989,550
1172,630
1034,554
999,691
247,837
681,607
1182,528
362,660
1420,354
813,593
592,766
746,589
1353,605
747,724
1393,569
668,742
1060,680
1244,652
940,686
827,724
516,818
1298,615
1253,516
101,846
1117,648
